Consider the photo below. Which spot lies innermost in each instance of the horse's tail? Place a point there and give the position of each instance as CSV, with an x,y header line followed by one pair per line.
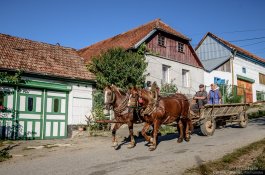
x,y
190,121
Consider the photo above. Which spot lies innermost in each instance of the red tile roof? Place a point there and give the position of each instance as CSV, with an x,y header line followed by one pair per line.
x,y
232,46
41,58
128,39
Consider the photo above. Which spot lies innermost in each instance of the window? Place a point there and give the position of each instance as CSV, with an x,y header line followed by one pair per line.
x,y
180,47
260,95
56,105
226,67
185,78
30,104
161,40
261,78
244,70
165,74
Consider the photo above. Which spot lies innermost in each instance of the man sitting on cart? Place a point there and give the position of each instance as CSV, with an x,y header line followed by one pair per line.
x,y
201,99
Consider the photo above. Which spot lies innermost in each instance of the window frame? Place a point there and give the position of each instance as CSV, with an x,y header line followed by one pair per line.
x,y
244,70
181,47
27,104
161,40
59,105
261,78
165,76
187,74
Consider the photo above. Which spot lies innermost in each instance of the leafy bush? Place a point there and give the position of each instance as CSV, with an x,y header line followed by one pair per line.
x,y
97,111
168,88
229,95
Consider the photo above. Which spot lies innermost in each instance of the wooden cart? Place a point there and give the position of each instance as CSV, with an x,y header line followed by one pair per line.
x,y
212,115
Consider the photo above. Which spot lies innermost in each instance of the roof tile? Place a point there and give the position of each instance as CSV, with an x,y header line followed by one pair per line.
x,y
41,58
128,39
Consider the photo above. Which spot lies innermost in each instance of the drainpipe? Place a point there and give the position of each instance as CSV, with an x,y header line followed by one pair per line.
x,y
232,64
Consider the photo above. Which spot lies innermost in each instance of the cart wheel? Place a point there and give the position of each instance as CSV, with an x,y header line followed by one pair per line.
x,y
243,117
208,127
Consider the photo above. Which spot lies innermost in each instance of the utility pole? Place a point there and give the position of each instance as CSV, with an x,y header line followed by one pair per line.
x,y
232,66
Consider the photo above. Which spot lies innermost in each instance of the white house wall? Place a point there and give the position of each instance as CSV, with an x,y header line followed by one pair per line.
x,y
154,70
252,71
80,104
209,77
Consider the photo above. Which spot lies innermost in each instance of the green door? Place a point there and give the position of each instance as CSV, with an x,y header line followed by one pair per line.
x,y
55,117
30,113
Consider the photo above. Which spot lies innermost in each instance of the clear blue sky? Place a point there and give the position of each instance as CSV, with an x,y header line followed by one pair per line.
x,y
79,23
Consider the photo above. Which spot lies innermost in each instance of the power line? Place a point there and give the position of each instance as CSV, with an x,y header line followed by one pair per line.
x,y
252,44
230,32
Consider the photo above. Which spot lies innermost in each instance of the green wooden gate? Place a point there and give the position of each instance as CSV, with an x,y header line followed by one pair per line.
x,y
34,113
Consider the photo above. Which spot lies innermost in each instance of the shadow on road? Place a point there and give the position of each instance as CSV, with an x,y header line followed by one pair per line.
x,y
140,139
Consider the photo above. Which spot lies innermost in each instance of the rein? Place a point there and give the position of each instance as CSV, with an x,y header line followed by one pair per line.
x,y
122,107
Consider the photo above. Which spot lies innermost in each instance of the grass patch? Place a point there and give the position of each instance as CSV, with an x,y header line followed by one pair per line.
x,y
223,164
259,163
4,154
257,114
165,129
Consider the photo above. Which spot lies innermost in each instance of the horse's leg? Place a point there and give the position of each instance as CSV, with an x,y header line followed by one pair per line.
x,y
144,130
186,129
180,129
157,125
189,129
132,143
114,139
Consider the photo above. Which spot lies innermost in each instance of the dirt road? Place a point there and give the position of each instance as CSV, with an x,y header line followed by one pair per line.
x,y
94,156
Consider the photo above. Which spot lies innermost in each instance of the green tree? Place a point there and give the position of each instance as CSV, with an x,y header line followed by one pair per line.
x,y
10,78
120,67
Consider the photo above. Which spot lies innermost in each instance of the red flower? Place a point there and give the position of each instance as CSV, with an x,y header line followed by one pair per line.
x,y
2,107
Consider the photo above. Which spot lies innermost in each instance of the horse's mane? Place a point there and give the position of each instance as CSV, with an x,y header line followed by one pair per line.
x,y
147,93
119,90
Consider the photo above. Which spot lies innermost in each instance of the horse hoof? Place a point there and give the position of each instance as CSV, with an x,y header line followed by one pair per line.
x,y
180,140
152,148
187,139
115,144
131,145
151,140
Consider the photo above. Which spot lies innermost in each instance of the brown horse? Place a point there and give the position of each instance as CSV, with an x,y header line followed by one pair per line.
x,y
167,110
118,100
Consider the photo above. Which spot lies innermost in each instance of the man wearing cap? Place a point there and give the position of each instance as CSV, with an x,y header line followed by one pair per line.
x,y
201,98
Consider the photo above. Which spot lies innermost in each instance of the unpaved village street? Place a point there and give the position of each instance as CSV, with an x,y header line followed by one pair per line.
x,y
95,156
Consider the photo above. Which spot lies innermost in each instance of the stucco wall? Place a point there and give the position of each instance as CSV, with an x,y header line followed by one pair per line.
x,y
80,104
252,71
209,77
175,73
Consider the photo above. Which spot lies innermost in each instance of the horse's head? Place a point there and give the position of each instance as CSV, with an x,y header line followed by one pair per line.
x,y
109,97
134,97
138,97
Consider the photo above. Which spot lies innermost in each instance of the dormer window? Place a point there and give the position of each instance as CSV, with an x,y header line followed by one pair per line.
x,y
180,47
161,40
